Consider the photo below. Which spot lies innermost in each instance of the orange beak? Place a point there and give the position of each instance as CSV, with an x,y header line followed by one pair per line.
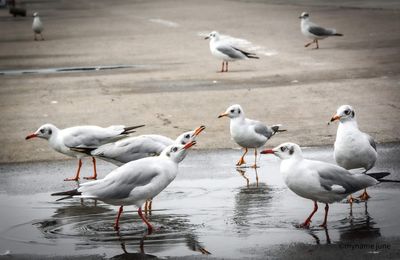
x,y
334,118
188,145
268,151
222,115
30,136
198,130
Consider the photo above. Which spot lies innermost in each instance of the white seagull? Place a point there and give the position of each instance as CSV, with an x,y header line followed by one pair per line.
x,y
133,183
37,26
313,31
248,133
353,148
226,52
68,141
318,181
138,147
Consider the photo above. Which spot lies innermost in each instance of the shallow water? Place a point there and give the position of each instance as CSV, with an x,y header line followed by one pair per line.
x,y
209,208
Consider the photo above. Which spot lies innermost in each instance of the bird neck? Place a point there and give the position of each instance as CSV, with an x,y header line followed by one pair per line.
x,y
348,123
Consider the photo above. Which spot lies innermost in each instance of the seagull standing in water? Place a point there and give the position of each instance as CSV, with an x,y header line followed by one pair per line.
x,y
318,181
353,148
313,31
226,52
133,183
248,133
37,26
68,141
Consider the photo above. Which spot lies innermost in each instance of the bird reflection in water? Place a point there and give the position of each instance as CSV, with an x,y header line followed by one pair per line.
x,y
242,172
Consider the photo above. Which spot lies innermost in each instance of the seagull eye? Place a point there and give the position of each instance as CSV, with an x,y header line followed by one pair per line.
x,y
283,148
50,131
42,131
233,111
238,111
183,143
187,136
174,149
347,112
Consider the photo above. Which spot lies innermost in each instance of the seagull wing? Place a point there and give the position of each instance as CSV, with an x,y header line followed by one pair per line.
x,y
320,31
371,141
261,129
339,180
91,136
230,51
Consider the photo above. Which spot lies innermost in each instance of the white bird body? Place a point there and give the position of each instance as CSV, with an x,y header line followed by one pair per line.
x,y
133,183
134,148
246,132
68,141
316,180
352,147
37,25
225,51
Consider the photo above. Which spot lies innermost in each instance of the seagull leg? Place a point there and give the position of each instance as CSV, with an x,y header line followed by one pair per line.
x,y
94,177
242,172
76,178
255,159
226,66
223,63
149,226
116,225
241,160
306,223
364,196
316,41
41,35
146,206
326,216
350,199
308,44
150,204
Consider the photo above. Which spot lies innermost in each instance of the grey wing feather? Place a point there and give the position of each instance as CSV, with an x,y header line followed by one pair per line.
x,y
262,130
371,141
229,51
330,175
320,31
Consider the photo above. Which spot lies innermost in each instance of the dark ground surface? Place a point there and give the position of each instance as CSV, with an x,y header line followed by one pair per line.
x,y
209,206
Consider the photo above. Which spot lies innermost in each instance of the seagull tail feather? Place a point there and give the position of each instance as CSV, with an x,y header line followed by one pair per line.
x,y
338,34
129,129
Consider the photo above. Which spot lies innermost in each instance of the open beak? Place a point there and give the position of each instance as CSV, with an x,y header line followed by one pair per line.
x,y
30,136
188,145
198,130
268,151
206,38
222,115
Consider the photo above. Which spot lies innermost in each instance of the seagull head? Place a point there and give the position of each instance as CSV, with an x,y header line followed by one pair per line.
x,y
45,132
212,35
189,136
35,14
177,152
304,15
344,113
234,111
285,151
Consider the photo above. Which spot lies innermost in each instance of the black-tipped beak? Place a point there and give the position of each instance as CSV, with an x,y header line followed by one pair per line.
x,y
206,38
188,145
222,115
30,136
198,130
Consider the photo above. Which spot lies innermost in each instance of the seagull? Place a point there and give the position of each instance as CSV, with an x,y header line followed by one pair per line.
x,y
353,148
37,26
248,133
133,183
318,181
226,52
138,147
68,141
313,31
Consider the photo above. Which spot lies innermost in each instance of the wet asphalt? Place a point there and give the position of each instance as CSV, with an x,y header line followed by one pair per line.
x,y
211,210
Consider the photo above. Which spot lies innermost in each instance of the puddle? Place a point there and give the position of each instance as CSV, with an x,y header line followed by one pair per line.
x,y
210,208
70,69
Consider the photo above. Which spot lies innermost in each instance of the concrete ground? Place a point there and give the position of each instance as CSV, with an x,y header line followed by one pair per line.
x,y
176,84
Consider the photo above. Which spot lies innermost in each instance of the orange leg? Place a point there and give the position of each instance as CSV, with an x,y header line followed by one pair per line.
x,y
326,216
255,158
364,196
306,223
241,160
149,226
94,177
116,225
76,178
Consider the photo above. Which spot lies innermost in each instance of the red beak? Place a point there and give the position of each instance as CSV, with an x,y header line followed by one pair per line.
x,y
30,136
188,145
268,151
